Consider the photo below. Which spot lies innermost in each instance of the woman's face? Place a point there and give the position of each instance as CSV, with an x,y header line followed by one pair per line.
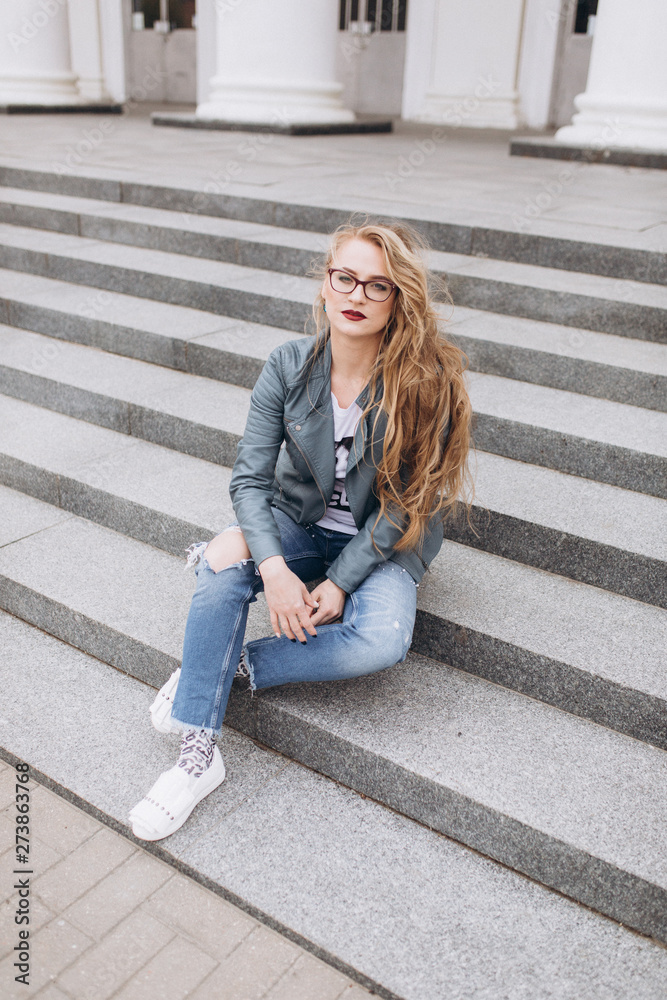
x,y
351,312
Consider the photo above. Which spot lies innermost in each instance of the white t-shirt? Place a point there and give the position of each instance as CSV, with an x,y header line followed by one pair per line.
x,y
339,516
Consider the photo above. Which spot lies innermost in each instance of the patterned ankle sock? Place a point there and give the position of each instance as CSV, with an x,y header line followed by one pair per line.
x,y
196,752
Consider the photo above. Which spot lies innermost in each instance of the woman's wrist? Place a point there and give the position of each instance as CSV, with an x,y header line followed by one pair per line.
x,y
272,566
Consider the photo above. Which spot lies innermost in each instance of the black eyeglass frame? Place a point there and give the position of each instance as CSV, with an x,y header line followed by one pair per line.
x,y
330,271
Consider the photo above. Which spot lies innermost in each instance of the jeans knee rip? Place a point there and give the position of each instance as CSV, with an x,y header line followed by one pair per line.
x,y
194,554
196,558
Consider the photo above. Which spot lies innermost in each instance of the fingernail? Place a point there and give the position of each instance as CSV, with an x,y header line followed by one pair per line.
x,y
303,642
292,640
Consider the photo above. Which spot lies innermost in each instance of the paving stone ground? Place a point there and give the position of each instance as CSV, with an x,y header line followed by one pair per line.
x,y
108,920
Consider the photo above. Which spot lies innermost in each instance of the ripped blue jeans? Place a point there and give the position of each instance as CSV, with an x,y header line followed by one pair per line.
x,y
374,633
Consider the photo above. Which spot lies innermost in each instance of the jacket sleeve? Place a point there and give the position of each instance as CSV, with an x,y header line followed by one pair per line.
x,y
360,557
252,483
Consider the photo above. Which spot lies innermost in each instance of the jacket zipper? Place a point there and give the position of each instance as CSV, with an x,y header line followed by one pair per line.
x,y
309,469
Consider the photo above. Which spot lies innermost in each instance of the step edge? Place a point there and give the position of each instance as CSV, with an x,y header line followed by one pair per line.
x,y
549,845
471,236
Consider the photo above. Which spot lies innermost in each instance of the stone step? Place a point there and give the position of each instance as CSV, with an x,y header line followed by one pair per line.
x,y
270,247
590,302
562,357
590,652
494,623
596,439
624,255
188,413
587,301
431,917
550,795
591,532
231,290
588,531
203,343
234,350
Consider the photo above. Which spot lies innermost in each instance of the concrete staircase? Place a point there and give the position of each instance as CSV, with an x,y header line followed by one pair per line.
x,y
432,830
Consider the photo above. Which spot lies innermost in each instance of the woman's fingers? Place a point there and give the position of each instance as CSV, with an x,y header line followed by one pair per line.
x,y
296,624
325,613
300,621
325,616
286,627
307,623
290,606
275,624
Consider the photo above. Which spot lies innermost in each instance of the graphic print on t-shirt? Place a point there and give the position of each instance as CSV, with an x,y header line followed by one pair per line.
x,y
339,496
338,515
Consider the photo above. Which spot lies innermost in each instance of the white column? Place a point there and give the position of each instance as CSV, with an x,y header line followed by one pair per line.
x,y
35,61
275,63
474,64
625,103
84,17
542,24
113,31
419,54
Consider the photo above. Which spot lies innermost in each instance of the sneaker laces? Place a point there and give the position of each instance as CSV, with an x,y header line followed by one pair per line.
x,y
196,752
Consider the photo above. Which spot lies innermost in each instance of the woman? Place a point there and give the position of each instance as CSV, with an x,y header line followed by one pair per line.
x,y
354,449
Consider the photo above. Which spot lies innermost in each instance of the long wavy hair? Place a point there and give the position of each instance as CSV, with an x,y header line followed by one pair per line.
x,y
424,464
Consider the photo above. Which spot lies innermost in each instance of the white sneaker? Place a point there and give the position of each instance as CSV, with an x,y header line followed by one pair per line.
x,y
172,798
161,708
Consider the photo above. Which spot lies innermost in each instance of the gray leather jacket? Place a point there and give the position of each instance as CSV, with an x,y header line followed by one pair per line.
x,y
286,458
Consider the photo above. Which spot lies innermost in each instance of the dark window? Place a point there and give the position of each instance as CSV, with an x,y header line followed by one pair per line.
x,y
386,15
150,10
402,11
585,9
180,12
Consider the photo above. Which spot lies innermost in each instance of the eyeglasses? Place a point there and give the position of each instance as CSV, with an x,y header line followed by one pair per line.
x,y
375,290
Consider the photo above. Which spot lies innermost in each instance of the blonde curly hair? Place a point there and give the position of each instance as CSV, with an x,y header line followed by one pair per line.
x,y
424,464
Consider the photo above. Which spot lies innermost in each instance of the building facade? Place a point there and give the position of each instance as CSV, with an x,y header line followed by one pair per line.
x,y
506,64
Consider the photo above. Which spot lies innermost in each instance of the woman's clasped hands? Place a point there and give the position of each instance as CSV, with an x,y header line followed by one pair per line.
x,y
293,609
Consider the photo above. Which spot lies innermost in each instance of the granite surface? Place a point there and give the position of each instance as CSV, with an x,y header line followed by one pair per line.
x,y
332,869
